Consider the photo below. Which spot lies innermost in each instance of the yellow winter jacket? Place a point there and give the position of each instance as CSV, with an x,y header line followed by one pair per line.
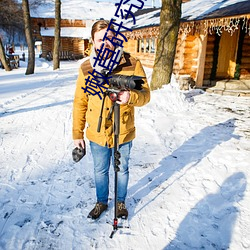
x,y
87,107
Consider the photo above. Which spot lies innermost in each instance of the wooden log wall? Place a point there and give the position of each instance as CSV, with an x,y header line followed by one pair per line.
x,y
66,44
130,46
73,45
47,45
209,57
79,46
245,60
186,55
179,60
190,56
50,22
146,58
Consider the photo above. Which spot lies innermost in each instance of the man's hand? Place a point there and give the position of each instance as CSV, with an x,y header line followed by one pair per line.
x,y
79,143
123,97
78,152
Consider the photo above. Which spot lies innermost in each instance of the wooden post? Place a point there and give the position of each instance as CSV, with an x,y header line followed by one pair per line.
x,y
140,42
144,45
149,45
201,60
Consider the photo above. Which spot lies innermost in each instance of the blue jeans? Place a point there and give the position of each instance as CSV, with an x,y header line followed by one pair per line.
x,y
102,158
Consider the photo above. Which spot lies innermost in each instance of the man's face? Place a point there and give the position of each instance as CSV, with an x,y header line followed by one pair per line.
x,y
98,41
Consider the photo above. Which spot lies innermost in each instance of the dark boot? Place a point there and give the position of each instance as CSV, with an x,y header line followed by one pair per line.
x,y
97,210
122,211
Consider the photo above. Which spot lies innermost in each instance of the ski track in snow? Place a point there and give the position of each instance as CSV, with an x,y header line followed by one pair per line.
x,y
180,180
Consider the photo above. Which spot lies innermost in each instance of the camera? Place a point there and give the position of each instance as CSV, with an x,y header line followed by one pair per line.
x,y
123,82
78,153
119,83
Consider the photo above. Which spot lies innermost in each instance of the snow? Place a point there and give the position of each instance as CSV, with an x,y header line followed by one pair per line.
x,y
196,9
85,10
145,20
92,10
77,9
84,33
192,10
189,169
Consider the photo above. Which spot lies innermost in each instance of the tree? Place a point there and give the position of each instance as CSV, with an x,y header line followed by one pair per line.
x,y
168,34
11,18
28,33
11,24
56,59
3,57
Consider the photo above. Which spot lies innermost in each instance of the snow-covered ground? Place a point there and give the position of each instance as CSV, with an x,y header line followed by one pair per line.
x,y
189,170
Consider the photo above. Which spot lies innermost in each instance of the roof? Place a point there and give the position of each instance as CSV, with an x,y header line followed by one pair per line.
x,y
208,9
232,10
79,32
76,9
150,18
193,10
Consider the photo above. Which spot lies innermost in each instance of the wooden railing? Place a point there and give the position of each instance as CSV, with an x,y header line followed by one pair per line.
x,y
64,55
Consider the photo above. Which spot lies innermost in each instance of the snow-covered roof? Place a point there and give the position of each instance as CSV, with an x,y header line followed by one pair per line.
x,y
79,32
76,9
92,10
206,9
193,10
152,18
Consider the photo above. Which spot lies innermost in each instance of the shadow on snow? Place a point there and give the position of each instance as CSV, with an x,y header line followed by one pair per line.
x,y
23,110
210,223
190,153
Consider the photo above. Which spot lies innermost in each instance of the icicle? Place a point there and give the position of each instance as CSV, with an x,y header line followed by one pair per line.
x,y
216,25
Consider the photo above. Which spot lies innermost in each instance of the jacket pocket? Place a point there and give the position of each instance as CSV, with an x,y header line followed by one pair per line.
x,y
127,120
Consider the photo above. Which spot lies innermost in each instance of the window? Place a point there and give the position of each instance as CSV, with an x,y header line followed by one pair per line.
x,y
146,45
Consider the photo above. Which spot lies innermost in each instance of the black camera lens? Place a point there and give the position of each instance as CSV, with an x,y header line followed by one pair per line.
x,y
125,82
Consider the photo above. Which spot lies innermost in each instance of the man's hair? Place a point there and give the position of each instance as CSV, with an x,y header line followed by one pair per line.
x,y
99,25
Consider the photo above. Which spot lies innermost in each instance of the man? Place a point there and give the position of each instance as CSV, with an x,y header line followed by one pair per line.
x,y
87,107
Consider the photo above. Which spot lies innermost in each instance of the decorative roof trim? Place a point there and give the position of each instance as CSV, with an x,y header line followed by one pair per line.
x,y
208,26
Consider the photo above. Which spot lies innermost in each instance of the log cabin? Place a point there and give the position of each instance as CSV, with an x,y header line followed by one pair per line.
x,y
213,41
74,37
76,20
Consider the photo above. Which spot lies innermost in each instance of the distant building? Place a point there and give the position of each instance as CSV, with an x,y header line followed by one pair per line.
x,y
74,36
77,19
213,41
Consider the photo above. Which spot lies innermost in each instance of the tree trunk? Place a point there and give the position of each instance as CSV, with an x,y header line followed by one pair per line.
x,y
56,59
169,27
3,57
28,33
